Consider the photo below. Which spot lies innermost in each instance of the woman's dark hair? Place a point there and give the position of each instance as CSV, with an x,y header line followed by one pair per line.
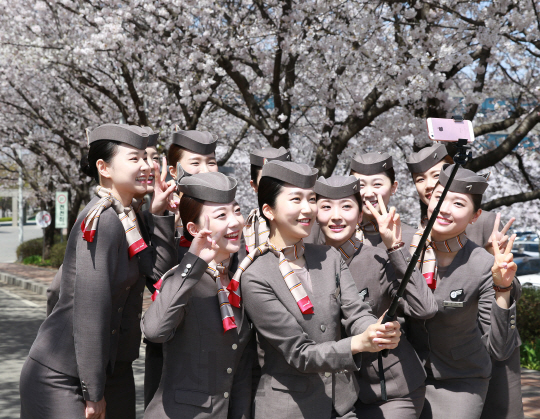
x,y
390,174
357,196
99,150
269,189
255,170
190,212
174,154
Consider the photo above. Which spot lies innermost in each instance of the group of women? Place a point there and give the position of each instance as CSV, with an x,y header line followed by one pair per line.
x,y
279,314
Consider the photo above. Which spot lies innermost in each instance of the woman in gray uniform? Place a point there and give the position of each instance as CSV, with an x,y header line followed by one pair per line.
x,y
199,314
77,346
476,313
503,400
377,178
256,230
339,211
299,297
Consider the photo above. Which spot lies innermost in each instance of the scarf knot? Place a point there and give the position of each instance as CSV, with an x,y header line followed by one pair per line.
x,y
349,248
220,272
251,232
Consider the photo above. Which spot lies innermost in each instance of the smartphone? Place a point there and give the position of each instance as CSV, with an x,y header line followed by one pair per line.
x,y
440,129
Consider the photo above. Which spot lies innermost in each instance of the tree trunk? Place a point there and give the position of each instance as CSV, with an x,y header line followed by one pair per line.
x,y
48,233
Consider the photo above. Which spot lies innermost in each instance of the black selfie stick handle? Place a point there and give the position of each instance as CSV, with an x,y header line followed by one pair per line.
x,y
459,159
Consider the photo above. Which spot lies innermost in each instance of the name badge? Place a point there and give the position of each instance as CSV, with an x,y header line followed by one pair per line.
x,y
452,303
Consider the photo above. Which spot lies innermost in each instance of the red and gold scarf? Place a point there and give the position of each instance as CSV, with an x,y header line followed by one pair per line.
x,y
250,233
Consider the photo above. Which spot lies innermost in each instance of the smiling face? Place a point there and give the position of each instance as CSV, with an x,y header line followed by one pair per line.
x,y
425,182
127,173
338,219
153,156
457,212
194,163
293,214
225,222
373,185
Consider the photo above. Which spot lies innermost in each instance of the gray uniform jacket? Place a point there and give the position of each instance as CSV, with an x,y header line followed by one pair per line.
x,y
480,231
377,276
80,338
206,372
407,232
469,325
307,364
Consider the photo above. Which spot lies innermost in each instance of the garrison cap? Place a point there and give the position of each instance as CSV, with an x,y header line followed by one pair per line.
x,y
200,142
426,158
371,163
127,134
337,187
262,156
297,174
210,186
152,137
466,181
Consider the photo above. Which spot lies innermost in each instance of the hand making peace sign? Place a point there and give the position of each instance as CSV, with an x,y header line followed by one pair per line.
x,y
389,223
504,269
497,236
203,244
163,192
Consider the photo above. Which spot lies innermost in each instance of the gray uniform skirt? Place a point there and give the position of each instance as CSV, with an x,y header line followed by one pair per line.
x,y
48,394
406,407
461,398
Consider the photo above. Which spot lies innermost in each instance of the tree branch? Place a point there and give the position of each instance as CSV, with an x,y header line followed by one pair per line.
x,y
511,199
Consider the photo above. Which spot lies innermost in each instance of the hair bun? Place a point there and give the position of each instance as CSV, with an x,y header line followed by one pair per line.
x,y
85,166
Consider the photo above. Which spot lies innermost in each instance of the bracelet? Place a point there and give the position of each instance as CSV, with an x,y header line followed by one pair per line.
x,y
395,247
501,289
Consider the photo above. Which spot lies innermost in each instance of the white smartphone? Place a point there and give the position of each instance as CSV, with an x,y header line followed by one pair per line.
x,y
440,129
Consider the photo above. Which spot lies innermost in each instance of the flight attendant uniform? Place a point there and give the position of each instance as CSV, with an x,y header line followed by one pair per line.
x,y
371,164
504,398
308,368
377,275
207,360
77,345
469,327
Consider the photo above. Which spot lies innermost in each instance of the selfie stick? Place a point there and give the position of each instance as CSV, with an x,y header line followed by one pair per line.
x,y
461,157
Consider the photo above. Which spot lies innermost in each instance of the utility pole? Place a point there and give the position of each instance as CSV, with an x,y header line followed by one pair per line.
x,y
21,204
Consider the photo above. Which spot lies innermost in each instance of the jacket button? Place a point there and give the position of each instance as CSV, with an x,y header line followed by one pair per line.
x,y
120,309
114,332
184,274
188,265
234,346
327,374
323,328
512,316
226,395
185,271
512,327
229,370
512,322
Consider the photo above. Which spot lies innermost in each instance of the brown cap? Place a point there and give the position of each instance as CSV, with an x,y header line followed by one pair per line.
x,y
426,158
262,156
152,137
297,174
371,163
200,142
210,186
127,134
337,187
466,181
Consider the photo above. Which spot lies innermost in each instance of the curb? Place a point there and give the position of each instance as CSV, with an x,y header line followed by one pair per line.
x,y
24,283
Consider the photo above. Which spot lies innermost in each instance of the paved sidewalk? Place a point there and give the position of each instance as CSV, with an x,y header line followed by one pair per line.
x,y
37,280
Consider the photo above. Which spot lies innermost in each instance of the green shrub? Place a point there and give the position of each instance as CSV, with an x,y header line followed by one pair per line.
x,y
57,254
30,248
6,219
530,355
528,317
36,260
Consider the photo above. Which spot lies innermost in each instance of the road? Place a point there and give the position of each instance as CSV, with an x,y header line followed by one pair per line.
x,y
9,240
21,314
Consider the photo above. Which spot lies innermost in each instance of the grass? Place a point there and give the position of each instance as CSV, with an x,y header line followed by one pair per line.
x,y
6,219
36,261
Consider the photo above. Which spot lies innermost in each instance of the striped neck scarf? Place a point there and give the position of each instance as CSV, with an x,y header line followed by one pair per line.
x,y
220,273
250,232
369,227
125,214
285,255
427,264
349,248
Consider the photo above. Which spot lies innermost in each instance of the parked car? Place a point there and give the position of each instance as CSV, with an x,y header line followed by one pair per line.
x,y
528,271
528,247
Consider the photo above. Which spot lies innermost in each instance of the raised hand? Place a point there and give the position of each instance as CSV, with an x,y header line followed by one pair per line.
x,y
377,337
389,223
497,236
203,244
163,192
504,269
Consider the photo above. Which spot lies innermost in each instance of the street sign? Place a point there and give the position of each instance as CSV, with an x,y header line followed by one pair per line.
x,y
43,219
61,210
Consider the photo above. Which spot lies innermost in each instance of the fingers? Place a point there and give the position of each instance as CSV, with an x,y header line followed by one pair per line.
x,y
495,246
163,169
373,210
392,213
508,225
496,224
206,223
510,244
382,207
